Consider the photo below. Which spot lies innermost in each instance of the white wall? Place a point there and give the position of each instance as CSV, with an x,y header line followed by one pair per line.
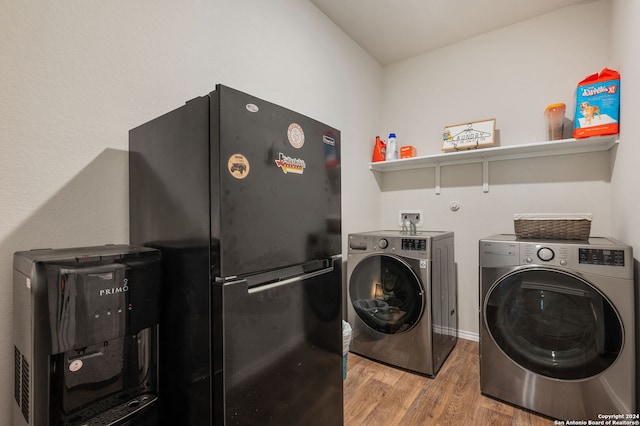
x,y
510,74
77,75
626,179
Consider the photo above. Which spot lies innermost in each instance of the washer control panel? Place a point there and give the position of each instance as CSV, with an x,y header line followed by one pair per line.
x,y
416,244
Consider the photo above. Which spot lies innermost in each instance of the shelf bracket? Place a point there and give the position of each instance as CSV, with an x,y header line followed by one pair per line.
x,y
485,175
437,171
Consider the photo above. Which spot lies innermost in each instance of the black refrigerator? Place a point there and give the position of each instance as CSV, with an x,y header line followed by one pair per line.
x,y
242,198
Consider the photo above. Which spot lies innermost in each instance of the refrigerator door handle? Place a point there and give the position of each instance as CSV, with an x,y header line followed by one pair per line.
x,y
287,281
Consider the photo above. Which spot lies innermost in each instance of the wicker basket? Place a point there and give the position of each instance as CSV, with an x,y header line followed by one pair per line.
x,y
553,227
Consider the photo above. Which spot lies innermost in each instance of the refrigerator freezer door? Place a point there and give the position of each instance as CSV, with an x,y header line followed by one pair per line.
x,y
279,185
283,351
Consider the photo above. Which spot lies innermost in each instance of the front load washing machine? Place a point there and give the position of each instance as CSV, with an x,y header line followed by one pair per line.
x,y
402,298
557,326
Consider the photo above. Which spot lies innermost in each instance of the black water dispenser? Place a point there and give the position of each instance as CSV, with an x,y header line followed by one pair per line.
x,y
86,336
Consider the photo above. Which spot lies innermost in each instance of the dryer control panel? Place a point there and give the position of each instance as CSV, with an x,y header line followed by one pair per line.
x,y
608,257
534,253
598,255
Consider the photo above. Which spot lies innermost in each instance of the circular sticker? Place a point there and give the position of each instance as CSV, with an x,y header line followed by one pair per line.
x,y
252,107
75,365
238,166
295,135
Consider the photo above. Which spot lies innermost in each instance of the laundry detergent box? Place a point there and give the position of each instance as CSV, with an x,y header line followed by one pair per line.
x,y
598,105
407,151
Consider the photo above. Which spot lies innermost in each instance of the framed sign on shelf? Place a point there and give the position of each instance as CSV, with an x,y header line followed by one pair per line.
x,y
472,135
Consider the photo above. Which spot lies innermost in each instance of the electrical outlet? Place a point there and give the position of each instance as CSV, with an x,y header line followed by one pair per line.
x,y
412,215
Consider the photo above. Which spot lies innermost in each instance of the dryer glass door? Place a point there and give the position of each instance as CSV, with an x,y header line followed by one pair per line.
x,y
386,294
553,323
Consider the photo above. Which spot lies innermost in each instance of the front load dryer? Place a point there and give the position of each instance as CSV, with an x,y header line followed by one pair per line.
x,y
402,298
557,326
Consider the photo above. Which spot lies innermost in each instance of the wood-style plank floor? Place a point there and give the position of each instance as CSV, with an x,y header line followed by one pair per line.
x,y
375,394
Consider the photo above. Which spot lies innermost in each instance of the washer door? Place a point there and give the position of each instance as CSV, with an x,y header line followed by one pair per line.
x,y
386,294
553,323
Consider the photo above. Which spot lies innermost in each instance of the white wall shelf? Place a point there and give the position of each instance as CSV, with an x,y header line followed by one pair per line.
x,y
486,155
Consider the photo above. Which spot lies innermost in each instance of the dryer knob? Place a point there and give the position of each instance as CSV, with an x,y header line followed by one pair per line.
x,y
383,243
545,254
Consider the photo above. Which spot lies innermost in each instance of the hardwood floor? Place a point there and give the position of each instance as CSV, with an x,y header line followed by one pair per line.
x,y
375,394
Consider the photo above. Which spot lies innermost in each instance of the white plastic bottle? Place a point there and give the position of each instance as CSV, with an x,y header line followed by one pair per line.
x,y
392,147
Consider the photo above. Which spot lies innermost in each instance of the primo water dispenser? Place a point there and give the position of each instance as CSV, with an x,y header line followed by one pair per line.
x,y
86,336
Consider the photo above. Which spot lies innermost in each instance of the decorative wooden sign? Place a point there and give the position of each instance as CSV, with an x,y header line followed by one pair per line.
x,y
477,134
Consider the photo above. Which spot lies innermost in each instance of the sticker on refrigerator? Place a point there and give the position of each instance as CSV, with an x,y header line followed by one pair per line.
x,y
295,135
75,365
328,140
252,107
290,165
238,166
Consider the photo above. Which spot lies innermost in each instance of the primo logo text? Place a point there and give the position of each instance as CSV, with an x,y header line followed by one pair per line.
x,y
115,290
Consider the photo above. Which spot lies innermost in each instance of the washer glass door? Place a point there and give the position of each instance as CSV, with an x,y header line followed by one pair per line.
x,y
386,294
553,323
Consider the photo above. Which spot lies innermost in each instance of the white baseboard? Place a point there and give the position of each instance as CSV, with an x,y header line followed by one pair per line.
x,y
468,335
